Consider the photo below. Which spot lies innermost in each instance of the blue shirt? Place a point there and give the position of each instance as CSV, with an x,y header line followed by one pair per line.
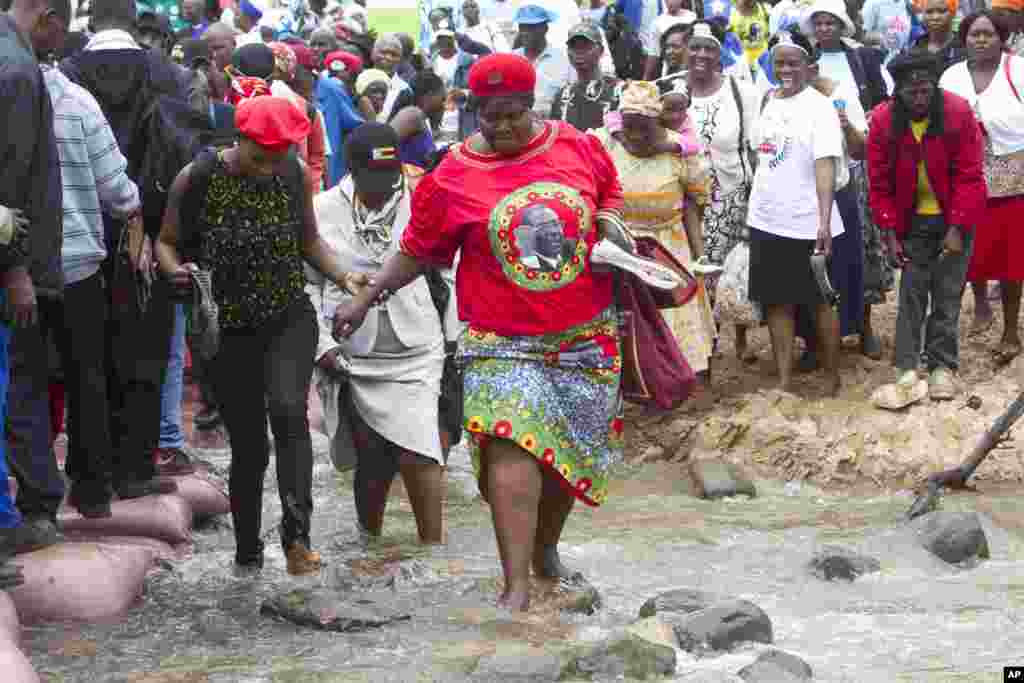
x,y
340,116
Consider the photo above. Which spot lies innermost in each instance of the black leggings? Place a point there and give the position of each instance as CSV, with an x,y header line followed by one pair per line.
x,y
256,372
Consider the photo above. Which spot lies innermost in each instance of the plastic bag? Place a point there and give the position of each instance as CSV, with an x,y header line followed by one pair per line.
x,y
732,295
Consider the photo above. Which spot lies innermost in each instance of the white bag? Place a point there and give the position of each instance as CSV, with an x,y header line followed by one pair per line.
x,y
732,294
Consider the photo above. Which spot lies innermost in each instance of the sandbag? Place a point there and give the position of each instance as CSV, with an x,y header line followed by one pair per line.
x,y
15,665
167,518
80,581
205,494
10,625
161,550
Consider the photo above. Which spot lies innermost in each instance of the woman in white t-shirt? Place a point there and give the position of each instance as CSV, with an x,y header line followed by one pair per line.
x,y
792,212
992,81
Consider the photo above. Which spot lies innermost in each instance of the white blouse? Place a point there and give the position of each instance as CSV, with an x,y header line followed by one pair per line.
x,y
996,107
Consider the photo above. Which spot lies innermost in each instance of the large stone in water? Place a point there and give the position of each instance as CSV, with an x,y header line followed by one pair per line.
x,y
329,611
532,665
835,562
954,537
678,601
718,479
636,652
723,626
776,666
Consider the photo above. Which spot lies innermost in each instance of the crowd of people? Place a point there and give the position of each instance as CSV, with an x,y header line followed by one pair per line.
x,y
406,224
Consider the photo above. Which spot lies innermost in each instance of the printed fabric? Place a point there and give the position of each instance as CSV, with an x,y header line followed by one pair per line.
x,y
555,395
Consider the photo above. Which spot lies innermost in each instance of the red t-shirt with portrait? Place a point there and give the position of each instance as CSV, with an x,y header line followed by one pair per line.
x,y
525,226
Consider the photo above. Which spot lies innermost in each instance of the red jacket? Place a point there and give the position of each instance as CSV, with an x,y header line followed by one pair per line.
x,y
952,149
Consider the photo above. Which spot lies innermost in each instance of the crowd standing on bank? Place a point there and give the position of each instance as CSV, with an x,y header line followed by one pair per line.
x,y
436,232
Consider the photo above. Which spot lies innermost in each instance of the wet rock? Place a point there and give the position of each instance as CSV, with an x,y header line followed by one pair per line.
x,y
678,601
835,562
723,626
718,479
579,598
532,665
954,537
329,611
637,652
776,666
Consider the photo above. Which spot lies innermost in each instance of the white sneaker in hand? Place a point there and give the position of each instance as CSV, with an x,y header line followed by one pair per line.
x,y
650,272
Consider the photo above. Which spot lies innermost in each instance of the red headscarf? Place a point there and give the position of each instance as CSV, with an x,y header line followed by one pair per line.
x,y
272,122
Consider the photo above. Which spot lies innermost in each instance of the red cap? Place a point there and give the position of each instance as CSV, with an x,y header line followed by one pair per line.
x,y
502,74
352,64
304,56
271,122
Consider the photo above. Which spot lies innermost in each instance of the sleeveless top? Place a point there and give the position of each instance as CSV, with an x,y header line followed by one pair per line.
x,y
247,231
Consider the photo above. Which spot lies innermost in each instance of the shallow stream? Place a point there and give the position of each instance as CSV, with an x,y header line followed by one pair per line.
x,y
916,620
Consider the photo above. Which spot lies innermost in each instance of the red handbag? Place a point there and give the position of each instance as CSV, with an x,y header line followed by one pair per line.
x,y
654,370
650,248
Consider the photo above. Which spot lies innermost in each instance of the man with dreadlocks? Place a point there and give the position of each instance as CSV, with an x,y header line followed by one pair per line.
x,y
927,193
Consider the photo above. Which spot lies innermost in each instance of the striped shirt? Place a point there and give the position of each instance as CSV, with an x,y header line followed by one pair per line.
x,y
92,175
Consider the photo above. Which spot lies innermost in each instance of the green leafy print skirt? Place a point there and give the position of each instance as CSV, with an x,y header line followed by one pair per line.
x,y
556,396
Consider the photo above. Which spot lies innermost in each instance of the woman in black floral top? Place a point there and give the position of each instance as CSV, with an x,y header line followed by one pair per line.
x,y
246,214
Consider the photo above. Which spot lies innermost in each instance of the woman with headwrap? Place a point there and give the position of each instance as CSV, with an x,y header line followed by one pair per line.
x,y
522,202
940,39
664,194
372,93
245,214
792,214
724,110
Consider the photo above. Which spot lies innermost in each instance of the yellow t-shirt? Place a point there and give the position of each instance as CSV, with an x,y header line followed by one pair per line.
x,y
927,203
752,30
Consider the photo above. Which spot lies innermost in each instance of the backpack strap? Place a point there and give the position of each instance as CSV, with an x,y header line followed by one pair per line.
x,y
741,143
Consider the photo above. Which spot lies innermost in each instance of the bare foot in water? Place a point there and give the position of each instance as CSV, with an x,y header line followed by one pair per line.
x,y
547,563
517,600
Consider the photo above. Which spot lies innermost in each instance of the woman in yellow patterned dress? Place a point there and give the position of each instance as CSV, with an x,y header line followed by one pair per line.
x,y
665,194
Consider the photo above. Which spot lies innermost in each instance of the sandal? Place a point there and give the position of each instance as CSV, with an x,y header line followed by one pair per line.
x,y
1004,353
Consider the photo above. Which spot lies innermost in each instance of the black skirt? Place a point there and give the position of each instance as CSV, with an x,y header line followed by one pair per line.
x,y
780,270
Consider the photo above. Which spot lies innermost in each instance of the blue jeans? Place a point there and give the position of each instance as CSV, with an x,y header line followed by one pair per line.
x,y
171,433
9,516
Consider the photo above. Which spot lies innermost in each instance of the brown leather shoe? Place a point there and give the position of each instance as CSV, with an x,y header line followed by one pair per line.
x,y
302,560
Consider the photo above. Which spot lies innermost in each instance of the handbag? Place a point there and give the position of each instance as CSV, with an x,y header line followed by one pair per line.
x,y
1004,175
204,318
732,294
654,371
650,248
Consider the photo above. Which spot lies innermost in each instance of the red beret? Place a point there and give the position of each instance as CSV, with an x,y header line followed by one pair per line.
x,y
352,64
272,122
304,56
502,74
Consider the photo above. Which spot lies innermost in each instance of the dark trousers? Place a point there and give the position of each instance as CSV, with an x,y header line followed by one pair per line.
x,y
930,278
138,346
30,453
256,372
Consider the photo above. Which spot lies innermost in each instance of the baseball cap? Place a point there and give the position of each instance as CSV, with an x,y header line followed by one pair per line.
x,y
585,29
534,14
372,151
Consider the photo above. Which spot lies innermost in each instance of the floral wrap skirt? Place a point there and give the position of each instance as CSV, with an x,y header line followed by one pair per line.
x,y
557,396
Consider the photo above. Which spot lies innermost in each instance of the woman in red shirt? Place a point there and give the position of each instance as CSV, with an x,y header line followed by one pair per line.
x,y
523,201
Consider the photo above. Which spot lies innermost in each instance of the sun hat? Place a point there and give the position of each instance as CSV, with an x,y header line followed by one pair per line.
x,y
836,8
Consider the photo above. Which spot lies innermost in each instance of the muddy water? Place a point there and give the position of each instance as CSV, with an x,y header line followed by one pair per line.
x,y
917,620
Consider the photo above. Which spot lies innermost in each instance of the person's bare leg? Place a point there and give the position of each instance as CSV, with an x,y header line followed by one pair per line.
x,y
424,484
743,352
982,308
514,486
828,342
555,505
782,326
1010,293
374,473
